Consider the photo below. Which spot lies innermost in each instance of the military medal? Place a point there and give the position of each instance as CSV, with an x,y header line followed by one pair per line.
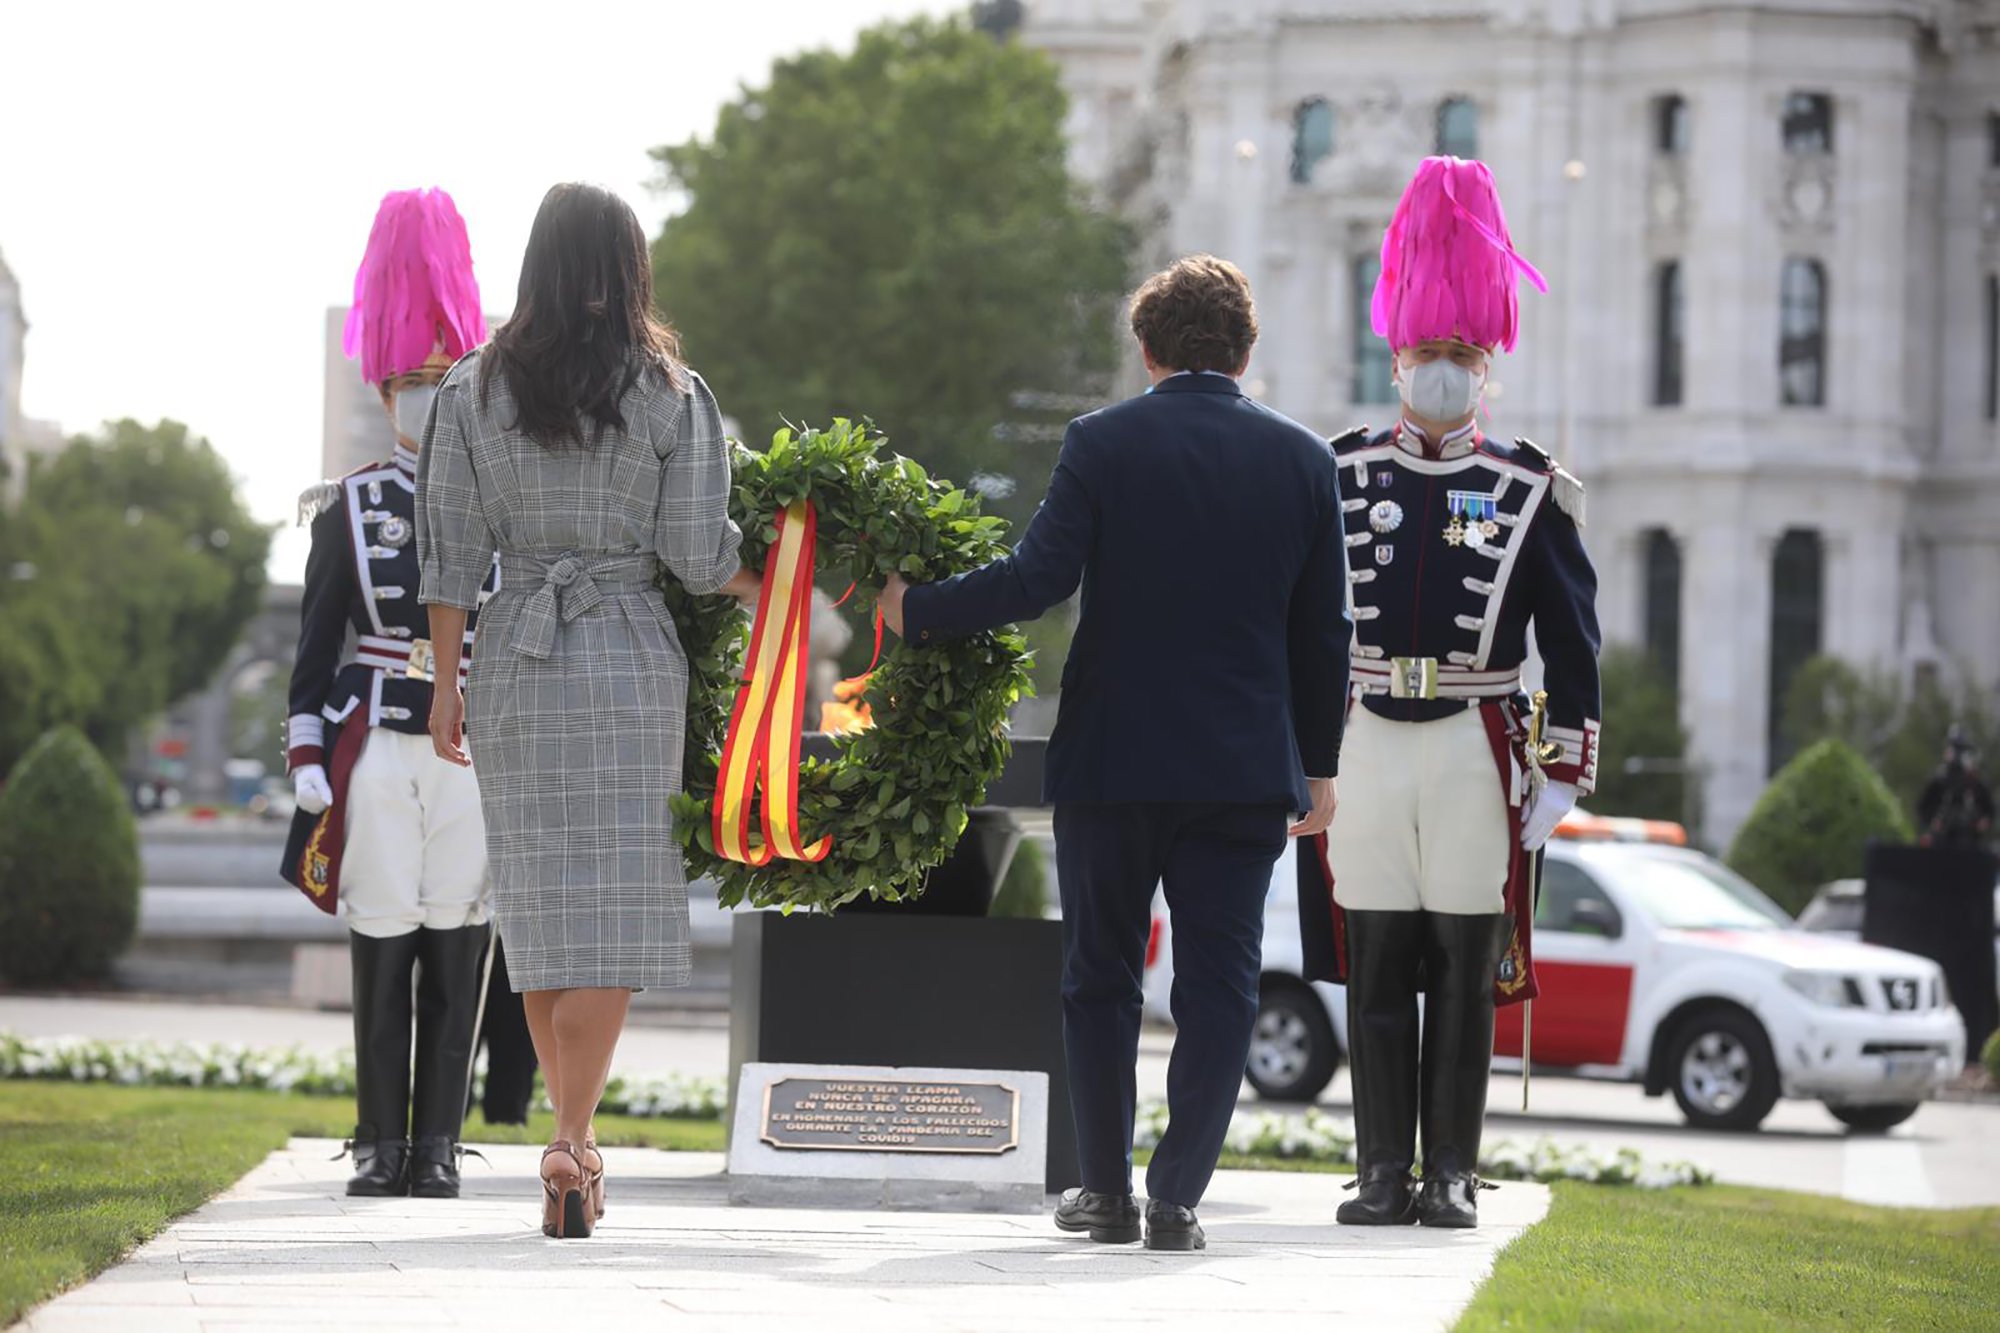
x,y
394,531
1386,516
1475,536
1489,529
1454,531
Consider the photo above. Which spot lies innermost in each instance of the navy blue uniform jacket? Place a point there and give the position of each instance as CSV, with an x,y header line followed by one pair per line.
x,y
1211,655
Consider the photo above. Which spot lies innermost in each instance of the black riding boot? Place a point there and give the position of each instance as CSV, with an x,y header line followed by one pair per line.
x,y
1384,951
1461,956
447,1017
381,1064
510,1049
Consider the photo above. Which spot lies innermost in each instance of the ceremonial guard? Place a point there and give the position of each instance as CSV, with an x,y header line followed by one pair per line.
x,y
1458,545
387,833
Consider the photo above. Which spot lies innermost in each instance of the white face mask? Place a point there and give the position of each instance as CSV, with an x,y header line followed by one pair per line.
x,y
411,408
1440,390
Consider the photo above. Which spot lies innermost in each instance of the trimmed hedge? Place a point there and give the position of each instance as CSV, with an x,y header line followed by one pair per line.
x,y
69,865
1814,822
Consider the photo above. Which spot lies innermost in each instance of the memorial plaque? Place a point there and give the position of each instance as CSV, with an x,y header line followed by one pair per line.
x,y
891,1115
890,1136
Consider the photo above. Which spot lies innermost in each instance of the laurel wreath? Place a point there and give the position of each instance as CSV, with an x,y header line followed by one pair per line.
x,y
896,799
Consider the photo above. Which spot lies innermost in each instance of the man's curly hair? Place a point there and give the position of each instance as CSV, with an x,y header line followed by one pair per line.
x,y
1196,314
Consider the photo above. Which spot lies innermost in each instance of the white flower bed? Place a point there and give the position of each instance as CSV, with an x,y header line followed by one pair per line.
x,y
1319,1137
318,1073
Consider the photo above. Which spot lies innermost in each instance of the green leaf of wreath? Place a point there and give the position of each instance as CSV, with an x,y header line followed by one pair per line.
x,y
940,711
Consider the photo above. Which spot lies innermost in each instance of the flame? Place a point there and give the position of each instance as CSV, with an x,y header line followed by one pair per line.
x,y
850,712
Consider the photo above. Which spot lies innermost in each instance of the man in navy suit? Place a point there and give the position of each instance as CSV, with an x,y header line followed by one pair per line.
x,y
1202,707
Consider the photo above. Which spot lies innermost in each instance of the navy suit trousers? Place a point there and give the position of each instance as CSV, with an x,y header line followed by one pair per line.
x,y
1214,861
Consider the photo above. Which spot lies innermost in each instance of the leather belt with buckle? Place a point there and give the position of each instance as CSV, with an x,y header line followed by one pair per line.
x,y
423,662
1413,678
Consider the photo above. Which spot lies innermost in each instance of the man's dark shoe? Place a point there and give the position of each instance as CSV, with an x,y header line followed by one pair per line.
x,y
1387,1198
1450,1200
1111,1219
1172,1227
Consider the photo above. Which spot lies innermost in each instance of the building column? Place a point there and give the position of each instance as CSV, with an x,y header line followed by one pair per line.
x,y
1725,663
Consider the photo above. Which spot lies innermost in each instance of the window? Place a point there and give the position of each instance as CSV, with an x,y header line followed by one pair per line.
x,y
1668,334
1374,363
1312,137
1993,347
1458,128
1663,604
1993,140
1797,574
1808,124
1571,901
1802,333
1671,125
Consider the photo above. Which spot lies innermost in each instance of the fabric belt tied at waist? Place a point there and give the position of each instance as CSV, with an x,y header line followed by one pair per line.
x,y
1427,678
565,588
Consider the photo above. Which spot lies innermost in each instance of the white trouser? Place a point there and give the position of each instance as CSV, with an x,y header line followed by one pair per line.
x,y
1422,822
416,841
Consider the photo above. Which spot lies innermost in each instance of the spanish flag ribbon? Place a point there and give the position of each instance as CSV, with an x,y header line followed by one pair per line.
x,y
762,747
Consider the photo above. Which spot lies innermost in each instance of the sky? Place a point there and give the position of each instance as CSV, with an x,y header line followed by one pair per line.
x,y
185,188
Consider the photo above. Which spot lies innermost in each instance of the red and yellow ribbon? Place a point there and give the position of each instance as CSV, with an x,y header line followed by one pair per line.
x,y
762,746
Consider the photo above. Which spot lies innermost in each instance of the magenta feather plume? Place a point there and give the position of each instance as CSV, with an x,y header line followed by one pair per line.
x,y
415,291
1449,269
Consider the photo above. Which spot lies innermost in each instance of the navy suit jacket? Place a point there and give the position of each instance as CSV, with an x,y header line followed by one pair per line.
x,y
1210,658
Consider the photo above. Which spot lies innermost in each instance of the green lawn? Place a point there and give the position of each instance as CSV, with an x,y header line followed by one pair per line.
x,y
89,1171
1724,1257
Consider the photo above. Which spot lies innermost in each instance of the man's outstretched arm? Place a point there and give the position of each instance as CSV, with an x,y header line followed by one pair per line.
x,y
1043,571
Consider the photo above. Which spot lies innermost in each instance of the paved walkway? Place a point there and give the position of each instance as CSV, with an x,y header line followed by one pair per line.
x,y
285,1250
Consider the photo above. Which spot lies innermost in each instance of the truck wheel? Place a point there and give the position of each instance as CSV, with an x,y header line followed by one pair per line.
x,y
1293,1052
1874,1119
1722,1071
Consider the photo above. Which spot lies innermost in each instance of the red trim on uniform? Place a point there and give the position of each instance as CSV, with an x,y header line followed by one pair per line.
x,y
318,870
299,756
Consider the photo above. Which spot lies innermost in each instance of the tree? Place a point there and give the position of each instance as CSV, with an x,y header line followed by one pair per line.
x,y
1814,822
138,538
894,234
1899,731
1642,768
69,865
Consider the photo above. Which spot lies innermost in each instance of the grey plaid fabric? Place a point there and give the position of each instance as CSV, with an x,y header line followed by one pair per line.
x,y
577,702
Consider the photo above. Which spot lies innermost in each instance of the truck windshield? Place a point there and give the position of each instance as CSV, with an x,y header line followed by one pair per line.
x,y
1688,891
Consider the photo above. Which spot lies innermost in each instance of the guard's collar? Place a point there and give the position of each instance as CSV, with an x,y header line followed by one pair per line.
x,y
404,458
1411,438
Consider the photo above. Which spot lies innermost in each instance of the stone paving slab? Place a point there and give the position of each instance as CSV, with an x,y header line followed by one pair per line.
x,y
284,1249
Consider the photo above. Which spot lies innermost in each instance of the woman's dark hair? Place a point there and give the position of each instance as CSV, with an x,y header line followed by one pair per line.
x,y
583,328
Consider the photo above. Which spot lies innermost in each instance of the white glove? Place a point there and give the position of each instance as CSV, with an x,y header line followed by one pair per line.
x,y
1555,800
310,789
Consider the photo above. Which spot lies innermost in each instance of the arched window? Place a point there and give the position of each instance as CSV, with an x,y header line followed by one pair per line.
x,y
1671,125
1797,601
1802,333
1458,128
1663,604
1374,363
1808,124
1312,137
1668,334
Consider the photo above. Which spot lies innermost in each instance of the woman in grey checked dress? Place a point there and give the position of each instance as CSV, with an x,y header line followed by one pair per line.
x,y
579,448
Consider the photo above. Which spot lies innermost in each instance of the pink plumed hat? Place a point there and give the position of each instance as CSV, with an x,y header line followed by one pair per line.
x,y
414,294
1448,266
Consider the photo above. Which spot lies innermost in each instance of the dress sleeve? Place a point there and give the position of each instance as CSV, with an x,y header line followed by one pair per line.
x,y
454,544
693,533
1566,632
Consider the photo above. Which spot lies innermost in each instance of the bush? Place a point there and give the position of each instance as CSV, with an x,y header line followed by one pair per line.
x,y
1814,823
1025,891
1990,1057
1642,771
69,865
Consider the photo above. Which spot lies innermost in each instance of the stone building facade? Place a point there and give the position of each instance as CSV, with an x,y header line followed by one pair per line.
x,y
1772,232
